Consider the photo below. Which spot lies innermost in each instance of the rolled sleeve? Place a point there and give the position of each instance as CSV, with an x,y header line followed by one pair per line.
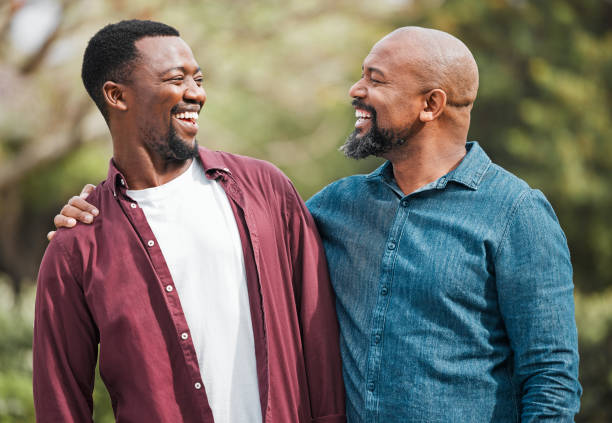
x,y
534,280
64,345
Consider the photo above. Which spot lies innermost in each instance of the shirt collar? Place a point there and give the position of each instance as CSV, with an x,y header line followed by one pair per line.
x,y
212,161
469,173
472,168
115,179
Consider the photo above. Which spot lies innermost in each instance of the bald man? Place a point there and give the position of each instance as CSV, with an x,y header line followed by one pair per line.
x,y
452,276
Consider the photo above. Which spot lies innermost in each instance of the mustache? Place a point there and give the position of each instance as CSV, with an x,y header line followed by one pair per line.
x,y
182,107
361,105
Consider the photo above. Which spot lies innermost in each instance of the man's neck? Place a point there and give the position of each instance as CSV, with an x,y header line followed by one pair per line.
x,y
142,169
418,164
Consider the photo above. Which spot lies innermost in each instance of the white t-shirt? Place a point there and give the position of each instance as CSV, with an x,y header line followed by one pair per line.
x,y
197,233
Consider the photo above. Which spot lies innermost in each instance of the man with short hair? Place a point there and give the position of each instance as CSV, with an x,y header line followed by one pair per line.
x,y
203,280
452,277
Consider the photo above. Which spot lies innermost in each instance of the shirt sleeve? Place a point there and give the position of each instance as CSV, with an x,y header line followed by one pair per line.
x,y
534,280
65,343
319,325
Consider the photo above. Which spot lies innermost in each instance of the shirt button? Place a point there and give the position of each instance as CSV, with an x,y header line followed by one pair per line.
x,y
133,205
151,243
404,203
197,385
391,245
169,288
184,335
384,290
122,182
370,386
376,338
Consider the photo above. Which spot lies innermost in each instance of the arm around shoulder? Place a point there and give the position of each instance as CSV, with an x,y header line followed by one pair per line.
x,y
316,305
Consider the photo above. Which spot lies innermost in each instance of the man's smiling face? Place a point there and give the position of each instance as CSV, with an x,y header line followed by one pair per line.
x,y
387,101
166,96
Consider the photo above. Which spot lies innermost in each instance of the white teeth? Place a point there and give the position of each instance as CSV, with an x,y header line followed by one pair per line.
x,y
361,114
187,115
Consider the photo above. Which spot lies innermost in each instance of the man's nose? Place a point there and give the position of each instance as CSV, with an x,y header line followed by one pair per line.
x,y
358,90
195,93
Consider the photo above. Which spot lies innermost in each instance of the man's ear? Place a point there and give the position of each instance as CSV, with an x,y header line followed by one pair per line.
x,y
435,102
114,95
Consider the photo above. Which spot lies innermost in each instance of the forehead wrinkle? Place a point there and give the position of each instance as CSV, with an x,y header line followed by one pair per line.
x,y
377,56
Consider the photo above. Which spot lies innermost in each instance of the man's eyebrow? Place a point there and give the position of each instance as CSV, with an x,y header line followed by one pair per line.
x,y
181,68
373,69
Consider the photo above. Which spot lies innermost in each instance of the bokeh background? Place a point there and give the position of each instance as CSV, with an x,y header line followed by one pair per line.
x,y
277,75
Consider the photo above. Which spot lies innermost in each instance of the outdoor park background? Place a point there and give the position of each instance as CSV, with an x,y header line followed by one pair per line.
x,y
277,75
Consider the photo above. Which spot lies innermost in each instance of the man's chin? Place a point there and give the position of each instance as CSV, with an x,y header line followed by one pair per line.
x,y
359,145
182,150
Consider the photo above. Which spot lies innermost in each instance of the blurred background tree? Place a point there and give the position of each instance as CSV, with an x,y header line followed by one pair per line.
x,y
277,75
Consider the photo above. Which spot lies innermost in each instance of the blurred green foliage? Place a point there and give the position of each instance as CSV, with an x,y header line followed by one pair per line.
x,y
277,75
16,317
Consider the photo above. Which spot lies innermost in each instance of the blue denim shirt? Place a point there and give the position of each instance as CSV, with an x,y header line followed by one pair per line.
x,y
455,302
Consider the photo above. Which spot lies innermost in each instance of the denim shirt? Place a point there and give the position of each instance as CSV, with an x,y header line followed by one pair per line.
x,y
455,302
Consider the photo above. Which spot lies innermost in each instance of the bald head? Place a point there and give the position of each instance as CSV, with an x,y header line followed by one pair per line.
x,y
436,59
417,87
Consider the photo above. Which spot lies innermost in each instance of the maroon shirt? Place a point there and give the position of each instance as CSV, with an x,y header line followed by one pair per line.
x,y
108,283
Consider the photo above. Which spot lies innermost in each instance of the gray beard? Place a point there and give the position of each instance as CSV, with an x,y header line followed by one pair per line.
x,y
377,142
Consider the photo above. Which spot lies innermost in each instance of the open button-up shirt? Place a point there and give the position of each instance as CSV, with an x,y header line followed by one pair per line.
x,y
107,284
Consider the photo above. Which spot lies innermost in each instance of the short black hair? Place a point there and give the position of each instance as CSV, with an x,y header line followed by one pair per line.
x,y
111,52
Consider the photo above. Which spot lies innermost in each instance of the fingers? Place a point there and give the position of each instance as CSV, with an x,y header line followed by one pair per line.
x,y
87,189
77,209
80,209
70,214
62,221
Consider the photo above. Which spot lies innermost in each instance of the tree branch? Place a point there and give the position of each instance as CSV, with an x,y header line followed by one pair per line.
x,y
48,150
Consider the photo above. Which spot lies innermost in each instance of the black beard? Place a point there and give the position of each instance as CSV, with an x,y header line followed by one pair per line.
x,y
377,141
171,147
